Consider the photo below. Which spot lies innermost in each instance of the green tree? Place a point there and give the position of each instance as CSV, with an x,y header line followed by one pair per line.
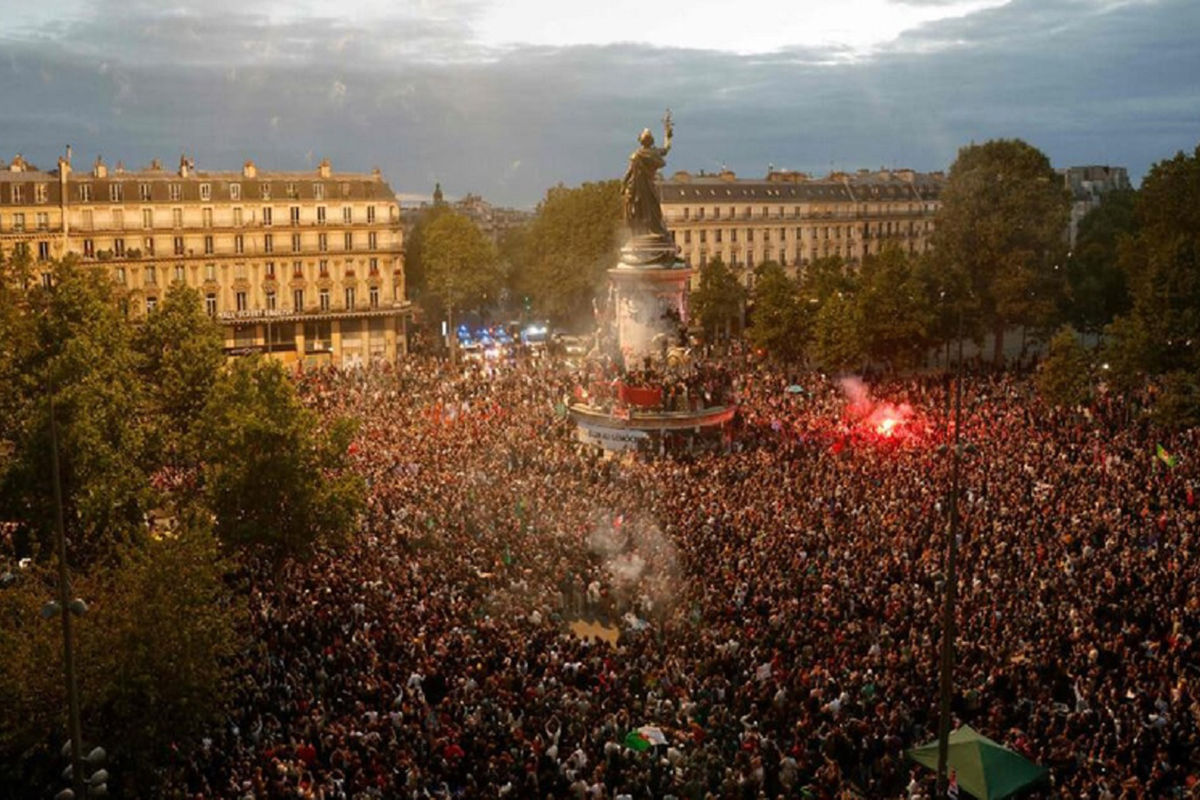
x,y
275,479
154,655
71,346
415,280
1000,233
568,249
1177,405
776,324
1064,377
837,341
717,302
1162,262
181,358
1099,289
895,308
460,266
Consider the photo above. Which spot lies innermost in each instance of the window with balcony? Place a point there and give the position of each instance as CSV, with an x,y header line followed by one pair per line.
x,y
374,296
297,299
147,218
148,246
374,266
144,192
178,244
264,190
150,276
295,215
18,222
89,248
210,304
235,191
180,274
43,221
115,192
239,299
270,301
266,216
323,268
120,276
347,215
323,300
318,191
320,215
118,218
372,241
210,273
297,269
291,191
322,242
268,243
175,191
295,243
237,217
208,245
43,251
40,193
176,217
371,214
119,248
85,193
239,244
350,297
206,192
348,241
206,217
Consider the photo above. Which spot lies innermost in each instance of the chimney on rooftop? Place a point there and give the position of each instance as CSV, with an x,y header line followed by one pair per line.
x,y
184,166
100,169
249,170
324,169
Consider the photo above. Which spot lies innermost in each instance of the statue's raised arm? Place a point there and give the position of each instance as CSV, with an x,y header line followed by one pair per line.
x,y
643,212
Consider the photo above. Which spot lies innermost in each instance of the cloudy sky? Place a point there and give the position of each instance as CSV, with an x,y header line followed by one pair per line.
x,y
508,97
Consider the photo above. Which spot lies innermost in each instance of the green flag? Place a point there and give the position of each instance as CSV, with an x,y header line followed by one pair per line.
x,y
1165,457
634,740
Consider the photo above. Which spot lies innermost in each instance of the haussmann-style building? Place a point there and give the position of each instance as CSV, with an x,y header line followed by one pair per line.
x,y
307,266
793,219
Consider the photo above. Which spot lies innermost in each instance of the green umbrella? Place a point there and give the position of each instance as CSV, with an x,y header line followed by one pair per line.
x,y
985,769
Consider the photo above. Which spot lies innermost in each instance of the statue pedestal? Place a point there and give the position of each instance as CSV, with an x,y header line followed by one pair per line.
x,y
650,287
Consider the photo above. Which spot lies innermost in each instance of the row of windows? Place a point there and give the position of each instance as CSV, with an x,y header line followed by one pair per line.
x,y
241,301
88,220
16,223
880,229
797,258
780,211
180,248
240,272
86,192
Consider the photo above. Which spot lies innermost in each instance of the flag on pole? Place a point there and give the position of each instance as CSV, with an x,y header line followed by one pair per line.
x,y
1165,457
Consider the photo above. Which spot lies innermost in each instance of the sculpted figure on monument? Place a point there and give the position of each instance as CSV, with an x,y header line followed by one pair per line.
x,y
643,213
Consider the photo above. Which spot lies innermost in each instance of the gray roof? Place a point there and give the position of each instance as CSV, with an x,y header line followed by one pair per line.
x,y
850,188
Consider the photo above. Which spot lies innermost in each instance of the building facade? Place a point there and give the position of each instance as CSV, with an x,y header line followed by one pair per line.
x,y
307,266
793,219
1087,186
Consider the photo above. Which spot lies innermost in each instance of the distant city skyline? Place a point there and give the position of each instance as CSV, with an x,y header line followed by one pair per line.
x,y
506,99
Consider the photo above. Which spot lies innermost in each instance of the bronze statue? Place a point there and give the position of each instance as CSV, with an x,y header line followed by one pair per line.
x,y
643,212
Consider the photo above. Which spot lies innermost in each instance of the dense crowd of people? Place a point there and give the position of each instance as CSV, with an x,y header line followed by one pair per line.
x,y
778,602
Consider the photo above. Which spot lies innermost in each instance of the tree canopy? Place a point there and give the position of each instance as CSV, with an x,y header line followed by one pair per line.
x,y
1000,235
275,480
776,324
568,248
716,304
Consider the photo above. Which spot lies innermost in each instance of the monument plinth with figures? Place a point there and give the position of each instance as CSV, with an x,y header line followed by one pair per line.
x,y
641,389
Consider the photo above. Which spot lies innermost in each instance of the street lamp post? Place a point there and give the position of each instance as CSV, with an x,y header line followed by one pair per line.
x,y
948,626
64,601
